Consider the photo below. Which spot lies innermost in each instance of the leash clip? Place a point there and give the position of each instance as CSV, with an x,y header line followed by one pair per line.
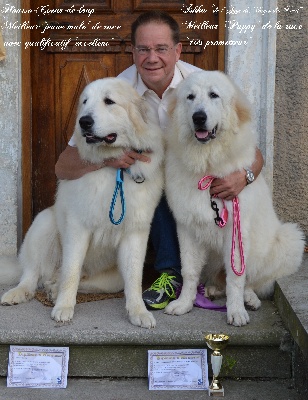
x,y
137,178
220,220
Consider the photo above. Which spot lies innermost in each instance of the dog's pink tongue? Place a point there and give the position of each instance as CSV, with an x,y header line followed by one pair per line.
x,y
202,134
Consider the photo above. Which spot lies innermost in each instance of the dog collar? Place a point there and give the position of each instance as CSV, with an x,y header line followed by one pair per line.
x,y
137,178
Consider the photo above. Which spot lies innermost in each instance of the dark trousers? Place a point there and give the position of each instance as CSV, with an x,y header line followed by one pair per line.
x,y
164,238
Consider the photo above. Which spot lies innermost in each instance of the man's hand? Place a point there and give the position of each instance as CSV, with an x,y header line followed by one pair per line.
x,y
126,160
230,186
70,166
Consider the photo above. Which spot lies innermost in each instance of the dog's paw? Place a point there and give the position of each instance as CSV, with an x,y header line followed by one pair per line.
x,y
51,289
237,317
213,292
62,314
178,307
16,295
144,319
251,300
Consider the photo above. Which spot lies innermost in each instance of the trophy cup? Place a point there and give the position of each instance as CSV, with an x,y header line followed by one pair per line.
x,y
216,342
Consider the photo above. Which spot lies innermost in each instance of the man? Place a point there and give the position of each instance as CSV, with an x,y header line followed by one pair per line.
x,y
155,74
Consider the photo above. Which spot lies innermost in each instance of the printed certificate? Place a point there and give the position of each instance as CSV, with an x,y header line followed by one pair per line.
x,y
38,367
178,369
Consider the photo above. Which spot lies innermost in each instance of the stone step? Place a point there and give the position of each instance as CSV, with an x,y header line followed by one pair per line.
x,y
137,389
292,302
108,355
103,343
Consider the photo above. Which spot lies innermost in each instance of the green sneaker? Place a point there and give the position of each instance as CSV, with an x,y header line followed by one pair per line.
x,y
162,291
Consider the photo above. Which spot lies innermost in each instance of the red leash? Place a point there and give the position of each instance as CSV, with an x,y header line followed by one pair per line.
x,y
221,221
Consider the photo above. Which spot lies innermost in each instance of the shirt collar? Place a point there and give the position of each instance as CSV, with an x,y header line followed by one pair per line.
x,y
177,78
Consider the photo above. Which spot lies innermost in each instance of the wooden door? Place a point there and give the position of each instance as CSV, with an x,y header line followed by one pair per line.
x,y
77,42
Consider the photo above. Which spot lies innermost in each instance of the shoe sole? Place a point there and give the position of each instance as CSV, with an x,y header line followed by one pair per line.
x,y
159,306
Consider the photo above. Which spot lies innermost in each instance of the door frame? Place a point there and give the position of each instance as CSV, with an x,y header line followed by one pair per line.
x,y
26,125
26,122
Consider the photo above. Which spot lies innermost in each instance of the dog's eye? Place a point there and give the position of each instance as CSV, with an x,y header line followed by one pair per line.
x,y
213,95
108,101
191,96
85,100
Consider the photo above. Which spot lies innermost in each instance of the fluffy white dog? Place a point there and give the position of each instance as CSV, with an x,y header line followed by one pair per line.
x,y
74,242
211,135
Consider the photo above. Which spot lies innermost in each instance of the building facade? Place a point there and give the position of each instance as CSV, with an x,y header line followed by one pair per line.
x,y
271,68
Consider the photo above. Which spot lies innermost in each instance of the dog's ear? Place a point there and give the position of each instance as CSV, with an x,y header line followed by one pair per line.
x,y
242,107
137,111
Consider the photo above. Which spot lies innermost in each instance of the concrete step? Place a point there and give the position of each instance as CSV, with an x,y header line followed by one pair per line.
x,y
137,389
108,355
103,343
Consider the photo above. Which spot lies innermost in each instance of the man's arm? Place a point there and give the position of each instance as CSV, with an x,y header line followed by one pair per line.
x,y
70,166
229,187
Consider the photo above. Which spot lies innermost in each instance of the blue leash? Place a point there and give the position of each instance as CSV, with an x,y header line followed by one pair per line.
x,y
118,187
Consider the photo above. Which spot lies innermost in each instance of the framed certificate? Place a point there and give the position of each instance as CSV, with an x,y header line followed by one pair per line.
x,y
38,367
178,369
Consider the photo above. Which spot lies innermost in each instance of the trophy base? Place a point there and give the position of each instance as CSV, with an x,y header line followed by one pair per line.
x,y
217,392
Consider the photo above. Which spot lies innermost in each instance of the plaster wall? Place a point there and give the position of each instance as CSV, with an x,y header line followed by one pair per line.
x,y
291,117
252,66
10,137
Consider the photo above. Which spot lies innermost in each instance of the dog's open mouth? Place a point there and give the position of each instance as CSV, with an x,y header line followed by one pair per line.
x,y
204,136
92,139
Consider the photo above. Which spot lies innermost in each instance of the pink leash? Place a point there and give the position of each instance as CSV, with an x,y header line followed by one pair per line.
x,y
221,221
237,227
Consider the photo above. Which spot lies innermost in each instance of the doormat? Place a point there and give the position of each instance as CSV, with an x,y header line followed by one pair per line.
x,y
42,297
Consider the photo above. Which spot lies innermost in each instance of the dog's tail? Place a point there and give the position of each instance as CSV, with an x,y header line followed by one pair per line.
x,y
10,270
294,244
288,249
284,258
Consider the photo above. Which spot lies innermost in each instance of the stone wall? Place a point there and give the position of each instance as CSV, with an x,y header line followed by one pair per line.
x,y
10,137
290,188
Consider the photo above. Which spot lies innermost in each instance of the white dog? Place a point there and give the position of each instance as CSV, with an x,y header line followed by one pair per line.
x,y
211,135
76,236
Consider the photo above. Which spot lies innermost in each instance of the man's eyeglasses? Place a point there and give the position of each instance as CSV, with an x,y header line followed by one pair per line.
x,y
159,50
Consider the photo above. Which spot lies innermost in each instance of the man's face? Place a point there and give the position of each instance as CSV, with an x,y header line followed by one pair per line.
x,y
156,70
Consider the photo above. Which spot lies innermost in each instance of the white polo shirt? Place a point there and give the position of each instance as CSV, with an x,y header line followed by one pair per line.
x,y
160,105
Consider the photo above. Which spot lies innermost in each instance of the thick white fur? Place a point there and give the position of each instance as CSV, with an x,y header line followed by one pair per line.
x,y
74,243
272,249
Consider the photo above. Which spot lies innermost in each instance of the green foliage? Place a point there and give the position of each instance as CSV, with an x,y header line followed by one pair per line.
x,y
228,363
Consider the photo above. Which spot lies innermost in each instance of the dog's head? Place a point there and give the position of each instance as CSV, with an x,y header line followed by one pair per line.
x,y
206,104
111,117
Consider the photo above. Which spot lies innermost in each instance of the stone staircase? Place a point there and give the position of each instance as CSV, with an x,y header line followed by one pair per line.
x,y
266,359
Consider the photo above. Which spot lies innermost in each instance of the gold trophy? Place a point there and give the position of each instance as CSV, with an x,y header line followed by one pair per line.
x,y
216,342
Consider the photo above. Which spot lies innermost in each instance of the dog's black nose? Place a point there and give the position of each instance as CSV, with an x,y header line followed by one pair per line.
x,y
199,118
86,122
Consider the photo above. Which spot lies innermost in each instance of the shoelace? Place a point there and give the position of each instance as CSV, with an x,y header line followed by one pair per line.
x,y
164,282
